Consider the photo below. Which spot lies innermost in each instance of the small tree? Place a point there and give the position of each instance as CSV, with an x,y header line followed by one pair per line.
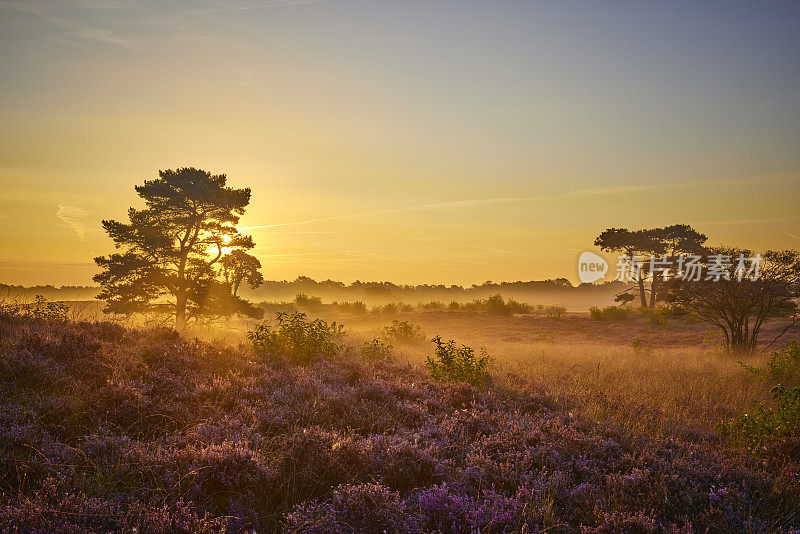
x,y
238,266
174,246
739,305
667,243
632,243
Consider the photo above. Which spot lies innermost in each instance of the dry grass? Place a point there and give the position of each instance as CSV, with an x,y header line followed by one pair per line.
x,y
676,383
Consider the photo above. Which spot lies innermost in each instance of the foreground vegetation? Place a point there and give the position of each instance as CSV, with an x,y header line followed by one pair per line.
x,y
108,429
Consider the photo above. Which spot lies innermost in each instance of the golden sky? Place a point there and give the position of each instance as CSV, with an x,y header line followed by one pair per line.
x,y
415,141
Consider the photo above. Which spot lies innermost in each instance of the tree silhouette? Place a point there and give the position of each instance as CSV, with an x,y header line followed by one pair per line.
x,y
666,243
238,267
632,243
737,304
174,247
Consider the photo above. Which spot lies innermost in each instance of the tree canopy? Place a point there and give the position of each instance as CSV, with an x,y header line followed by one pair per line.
x,y
665,243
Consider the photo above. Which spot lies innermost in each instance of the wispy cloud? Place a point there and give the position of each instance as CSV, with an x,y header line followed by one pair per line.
x,y
67,16
73,217
472,203
795,236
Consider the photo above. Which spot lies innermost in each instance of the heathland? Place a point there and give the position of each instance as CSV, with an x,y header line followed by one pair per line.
x,y
579,424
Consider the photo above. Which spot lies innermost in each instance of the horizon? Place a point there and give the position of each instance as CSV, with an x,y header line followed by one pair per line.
x,y
417,142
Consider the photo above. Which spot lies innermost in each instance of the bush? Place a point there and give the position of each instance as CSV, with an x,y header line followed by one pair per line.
x,y
609,314
434,305
393,307
403,332
555,312
767,424
304,301
454,364
515,306
297,338
272,308
784,365
656,316
495,305
357,307
376,350
44,309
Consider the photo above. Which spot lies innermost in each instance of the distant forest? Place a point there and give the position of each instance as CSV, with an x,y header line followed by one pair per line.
x,y
554,291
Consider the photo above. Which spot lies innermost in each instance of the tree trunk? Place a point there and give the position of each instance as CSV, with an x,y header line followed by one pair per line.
x,y
180,312
641,291
653,291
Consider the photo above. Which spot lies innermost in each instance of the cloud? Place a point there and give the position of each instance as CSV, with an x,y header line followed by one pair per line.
x,y
73,217
596,191
68,17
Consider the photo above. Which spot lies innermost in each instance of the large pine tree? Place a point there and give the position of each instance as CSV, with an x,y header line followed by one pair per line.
x,y
173,248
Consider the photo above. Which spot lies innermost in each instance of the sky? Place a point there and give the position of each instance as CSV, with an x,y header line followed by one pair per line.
x,y
415,141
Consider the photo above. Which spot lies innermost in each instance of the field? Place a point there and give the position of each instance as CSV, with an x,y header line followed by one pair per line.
x,y
585,426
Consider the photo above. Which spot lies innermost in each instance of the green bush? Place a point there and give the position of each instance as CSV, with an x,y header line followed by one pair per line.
x,y
458,364
297,338
555,312
784,365
376,350
403,332
609,314
767,424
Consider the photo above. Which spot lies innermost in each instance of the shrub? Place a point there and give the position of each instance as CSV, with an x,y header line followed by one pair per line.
x,y
9,310
357,307
609,314
767,424
393,307
434,305
376,350
403,332
271,307
515,306
656,316
497,306
453,306
458,364
784,365
555,312
297,338
304,301
44,309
